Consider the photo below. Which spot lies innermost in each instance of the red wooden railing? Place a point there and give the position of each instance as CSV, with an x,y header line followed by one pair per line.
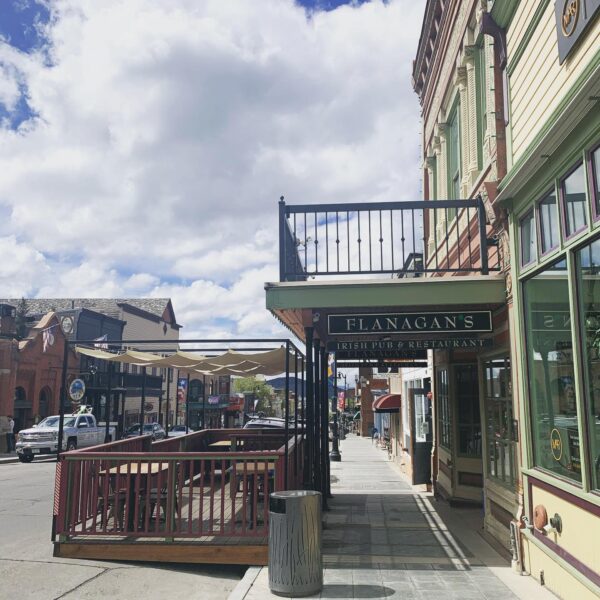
x,y
173,491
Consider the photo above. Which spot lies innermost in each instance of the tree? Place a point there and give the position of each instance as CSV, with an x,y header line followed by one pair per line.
x,y
260,389
21,319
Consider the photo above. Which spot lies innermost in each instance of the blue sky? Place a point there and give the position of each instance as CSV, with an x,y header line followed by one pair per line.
x,y
166,131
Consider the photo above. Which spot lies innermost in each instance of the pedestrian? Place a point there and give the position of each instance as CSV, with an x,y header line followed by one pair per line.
x,y
375,435
10,436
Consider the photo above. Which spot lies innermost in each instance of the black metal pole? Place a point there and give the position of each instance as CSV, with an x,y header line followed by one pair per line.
x,y
203,401
108,403
295,412
62,399
143,401
287,415
169,373
187,404
325,488
317,415
334,455
309,408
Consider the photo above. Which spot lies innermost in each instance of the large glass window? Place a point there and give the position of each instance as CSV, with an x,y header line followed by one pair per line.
x,y
528,239
595,172
548,324
453,148
548,219
480,91
469,419
443,408
499,417
573,199
588,271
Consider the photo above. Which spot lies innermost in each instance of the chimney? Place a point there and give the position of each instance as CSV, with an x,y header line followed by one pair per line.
x,y
8,326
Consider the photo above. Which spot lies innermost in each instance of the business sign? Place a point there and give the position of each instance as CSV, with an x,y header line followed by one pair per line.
x,y
77,390
214,399
572,19
405,349
422,322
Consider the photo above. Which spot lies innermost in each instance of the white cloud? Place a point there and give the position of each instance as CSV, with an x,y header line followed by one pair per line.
x,y
166,133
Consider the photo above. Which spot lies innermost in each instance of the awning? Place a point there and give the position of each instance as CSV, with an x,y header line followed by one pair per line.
x,y
232,362
356,416
389,403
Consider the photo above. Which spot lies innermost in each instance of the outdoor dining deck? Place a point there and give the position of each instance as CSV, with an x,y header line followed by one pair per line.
x,y
196,498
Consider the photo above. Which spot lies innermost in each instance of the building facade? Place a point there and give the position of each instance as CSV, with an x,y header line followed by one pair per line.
x,y
552,194
458,75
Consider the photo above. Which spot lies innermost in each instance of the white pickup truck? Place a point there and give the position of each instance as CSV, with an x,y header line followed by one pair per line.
x,y
79,431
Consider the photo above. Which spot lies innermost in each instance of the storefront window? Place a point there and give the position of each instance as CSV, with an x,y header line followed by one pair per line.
x,y
528,239
548,218
469,419
499,417
573,198
443,407
588,263
551,374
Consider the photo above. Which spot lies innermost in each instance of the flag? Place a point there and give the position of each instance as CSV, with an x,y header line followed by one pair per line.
x,y
330,360
102,342
47,339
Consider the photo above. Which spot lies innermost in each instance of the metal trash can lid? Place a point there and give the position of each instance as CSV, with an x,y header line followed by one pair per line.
x,y
295,494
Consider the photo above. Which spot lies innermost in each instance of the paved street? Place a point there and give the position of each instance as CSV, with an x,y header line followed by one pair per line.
x,y
28,570
383,540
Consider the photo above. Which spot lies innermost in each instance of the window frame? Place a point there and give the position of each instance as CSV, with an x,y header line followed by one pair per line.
x,y
481,99
540,230
563,206
593,183
452,123
530,213
444,425
564,256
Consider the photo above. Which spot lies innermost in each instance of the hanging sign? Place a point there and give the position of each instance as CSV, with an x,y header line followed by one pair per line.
x,y
422,322
77,389
341,401
182,384
572,19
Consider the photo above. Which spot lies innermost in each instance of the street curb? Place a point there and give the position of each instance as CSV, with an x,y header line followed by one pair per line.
x,y
243,586
7,461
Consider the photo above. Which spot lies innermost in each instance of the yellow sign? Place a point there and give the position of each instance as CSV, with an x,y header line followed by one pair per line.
x,y
556,444
570,15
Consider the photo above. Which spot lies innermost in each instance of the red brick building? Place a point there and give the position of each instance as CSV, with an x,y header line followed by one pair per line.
x,y
30,373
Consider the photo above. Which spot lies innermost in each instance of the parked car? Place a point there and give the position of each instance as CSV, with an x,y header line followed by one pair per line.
x,y
265,423
154,429
178,430
79,431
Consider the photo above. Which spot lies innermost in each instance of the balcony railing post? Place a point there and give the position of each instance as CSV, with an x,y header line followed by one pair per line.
x,y
282,241
483,246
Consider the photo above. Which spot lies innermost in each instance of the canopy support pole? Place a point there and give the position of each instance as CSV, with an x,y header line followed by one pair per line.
x,y
317,418
309,409
287,415
324,427
143,401
169,377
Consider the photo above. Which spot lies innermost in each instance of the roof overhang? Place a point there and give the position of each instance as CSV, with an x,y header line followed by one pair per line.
x,y
299,304
388,403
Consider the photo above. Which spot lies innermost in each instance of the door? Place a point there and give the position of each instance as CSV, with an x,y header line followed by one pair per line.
x,y
421,434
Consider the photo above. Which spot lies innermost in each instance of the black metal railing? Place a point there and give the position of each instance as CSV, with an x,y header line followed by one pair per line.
x,y
397,238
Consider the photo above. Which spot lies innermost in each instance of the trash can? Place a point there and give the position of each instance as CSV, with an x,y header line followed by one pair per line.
x,y
295,559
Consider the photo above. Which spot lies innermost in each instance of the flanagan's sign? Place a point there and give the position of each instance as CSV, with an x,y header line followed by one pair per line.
x,y
434,322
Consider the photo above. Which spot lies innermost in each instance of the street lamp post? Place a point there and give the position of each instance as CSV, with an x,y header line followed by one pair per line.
x,y
335,455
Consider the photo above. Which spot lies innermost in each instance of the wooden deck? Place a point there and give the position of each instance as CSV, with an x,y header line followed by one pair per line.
x,y
217,527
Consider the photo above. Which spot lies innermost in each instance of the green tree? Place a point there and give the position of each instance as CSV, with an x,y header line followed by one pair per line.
x,y
261,390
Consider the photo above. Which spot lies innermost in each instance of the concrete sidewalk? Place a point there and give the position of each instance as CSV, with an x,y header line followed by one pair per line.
x,y
383,539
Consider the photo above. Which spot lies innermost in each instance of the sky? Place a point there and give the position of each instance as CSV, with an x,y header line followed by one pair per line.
x,y
144,145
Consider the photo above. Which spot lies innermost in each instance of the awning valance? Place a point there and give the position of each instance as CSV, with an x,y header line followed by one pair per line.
x,y
388,403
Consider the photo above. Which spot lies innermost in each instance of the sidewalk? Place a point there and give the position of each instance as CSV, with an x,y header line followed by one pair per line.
x,y
381,539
